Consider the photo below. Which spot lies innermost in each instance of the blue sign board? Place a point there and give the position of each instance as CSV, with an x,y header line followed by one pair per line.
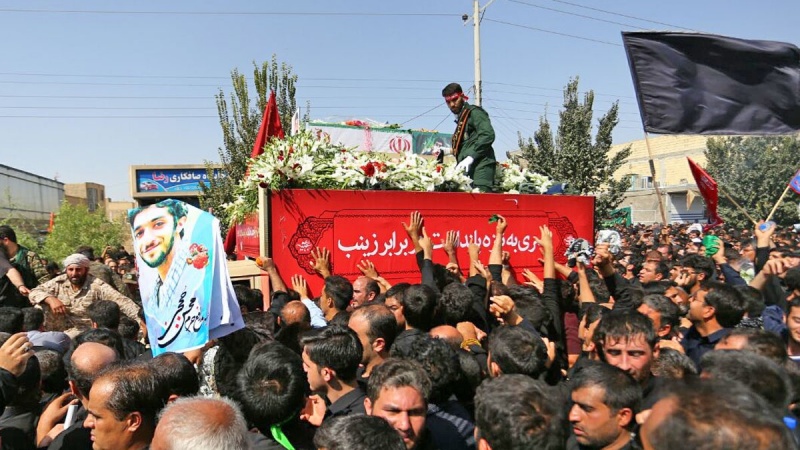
x,y
183,181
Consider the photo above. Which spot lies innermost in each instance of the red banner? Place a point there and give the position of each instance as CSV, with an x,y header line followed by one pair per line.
x,y
247,238
708,189
366,225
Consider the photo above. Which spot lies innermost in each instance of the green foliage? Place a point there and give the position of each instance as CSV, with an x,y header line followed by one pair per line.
x,y
76,226
240,120
571,156
754,171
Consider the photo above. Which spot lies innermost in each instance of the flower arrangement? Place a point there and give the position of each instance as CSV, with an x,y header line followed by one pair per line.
x,y
304,162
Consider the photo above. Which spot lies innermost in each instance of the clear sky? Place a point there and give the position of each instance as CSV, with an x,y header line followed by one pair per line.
x,y
89,88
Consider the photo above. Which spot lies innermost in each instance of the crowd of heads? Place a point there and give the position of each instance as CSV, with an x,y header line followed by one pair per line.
x,y
664,344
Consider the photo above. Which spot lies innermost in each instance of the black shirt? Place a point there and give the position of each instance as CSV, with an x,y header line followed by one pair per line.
x,y
696,346
348,404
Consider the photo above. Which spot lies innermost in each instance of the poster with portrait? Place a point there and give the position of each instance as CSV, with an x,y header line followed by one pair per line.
x,y
186,291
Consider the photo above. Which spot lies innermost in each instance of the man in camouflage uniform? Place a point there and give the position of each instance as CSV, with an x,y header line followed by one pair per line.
x,y
26,262
473,138
103,272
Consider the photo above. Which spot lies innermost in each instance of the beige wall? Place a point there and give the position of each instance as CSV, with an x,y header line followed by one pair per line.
x,y
93,195
669,157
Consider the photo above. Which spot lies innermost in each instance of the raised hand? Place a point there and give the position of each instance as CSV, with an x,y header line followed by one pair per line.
x,y
450,242
300,286
322,261
426,244
414,226
368,269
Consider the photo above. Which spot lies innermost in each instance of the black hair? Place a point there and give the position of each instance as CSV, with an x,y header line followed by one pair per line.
x,y
792,279
372,286
128,328
28,384
86,251
698,419
516,412
517,350
764,376
337,348
728,303
701,264
232,354
358,432
624,325
8,232
136,389
669,311
620,389
109,338
11,320
247,298
657,287
419,305
450,89
342,318
104,313
440,362
443,277
672,364
529,305
339,290
598,287
398,292
381,321
271,385
455,304
397,373
54,374
763,342
594,312
175,207
32,319
176,374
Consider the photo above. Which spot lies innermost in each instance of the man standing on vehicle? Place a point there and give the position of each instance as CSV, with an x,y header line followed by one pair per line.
x,y
473,138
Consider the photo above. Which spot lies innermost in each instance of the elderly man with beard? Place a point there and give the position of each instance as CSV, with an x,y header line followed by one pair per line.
x,y
68,297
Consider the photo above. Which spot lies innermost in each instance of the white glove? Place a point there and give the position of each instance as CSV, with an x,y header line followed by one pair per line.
x,y
465,163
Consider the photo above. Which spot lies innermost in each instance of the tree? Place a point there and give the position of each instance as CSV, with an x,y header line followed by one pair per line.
x,y
76,226
754,171
571,157
240,126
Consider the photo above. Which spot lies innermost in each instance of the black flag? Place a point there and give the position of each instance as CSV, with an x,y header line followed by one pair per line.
x,y
691,83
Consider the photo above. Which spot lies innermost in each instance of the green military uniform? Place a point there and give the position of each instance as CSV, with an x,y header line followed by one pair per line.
x,y
30,267
473,137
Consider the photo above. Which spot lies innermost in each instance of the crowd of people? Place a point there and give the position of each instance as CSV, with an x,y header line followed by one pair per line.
x,y
666,339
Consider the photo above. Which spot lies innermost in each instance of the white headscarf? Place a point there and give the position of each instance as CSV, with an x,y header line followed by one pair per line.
x,y
77,259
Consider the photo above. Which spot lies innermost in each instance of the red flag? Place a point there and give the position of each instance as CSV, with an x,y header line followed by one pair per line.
x,y
795,183
708,189
270,126
52,222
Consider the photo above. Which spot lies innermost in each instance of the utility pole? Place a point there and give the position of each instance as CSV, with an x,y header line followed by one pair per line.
x,y
476,22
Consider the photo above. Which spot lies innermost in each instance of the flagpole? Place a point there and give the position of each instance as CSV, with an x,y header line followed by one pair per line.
x,y
725,192
780,200
655,183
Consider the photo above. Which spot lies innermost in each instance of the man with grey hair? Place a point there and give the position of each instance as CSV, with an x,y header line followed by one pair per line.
x,y
201,423
68,297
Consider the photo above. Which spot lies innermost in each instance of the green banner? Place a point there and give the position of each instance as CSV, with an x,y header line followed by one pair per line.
x,y
621,216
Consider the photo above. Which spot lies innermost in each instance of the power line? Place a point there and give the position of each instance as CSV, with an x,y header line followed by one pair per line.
x,y
555,89
210,77
553,32
575,14
439,105
621,15
225,13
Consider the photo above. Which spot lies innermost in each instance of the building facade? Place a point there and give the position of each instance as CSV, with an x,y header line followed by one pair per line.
x,y
27,197
682,202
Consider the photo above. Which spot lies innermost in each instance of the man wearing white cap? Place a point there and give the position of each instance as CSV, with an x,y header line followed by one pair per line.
x,y
68,296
